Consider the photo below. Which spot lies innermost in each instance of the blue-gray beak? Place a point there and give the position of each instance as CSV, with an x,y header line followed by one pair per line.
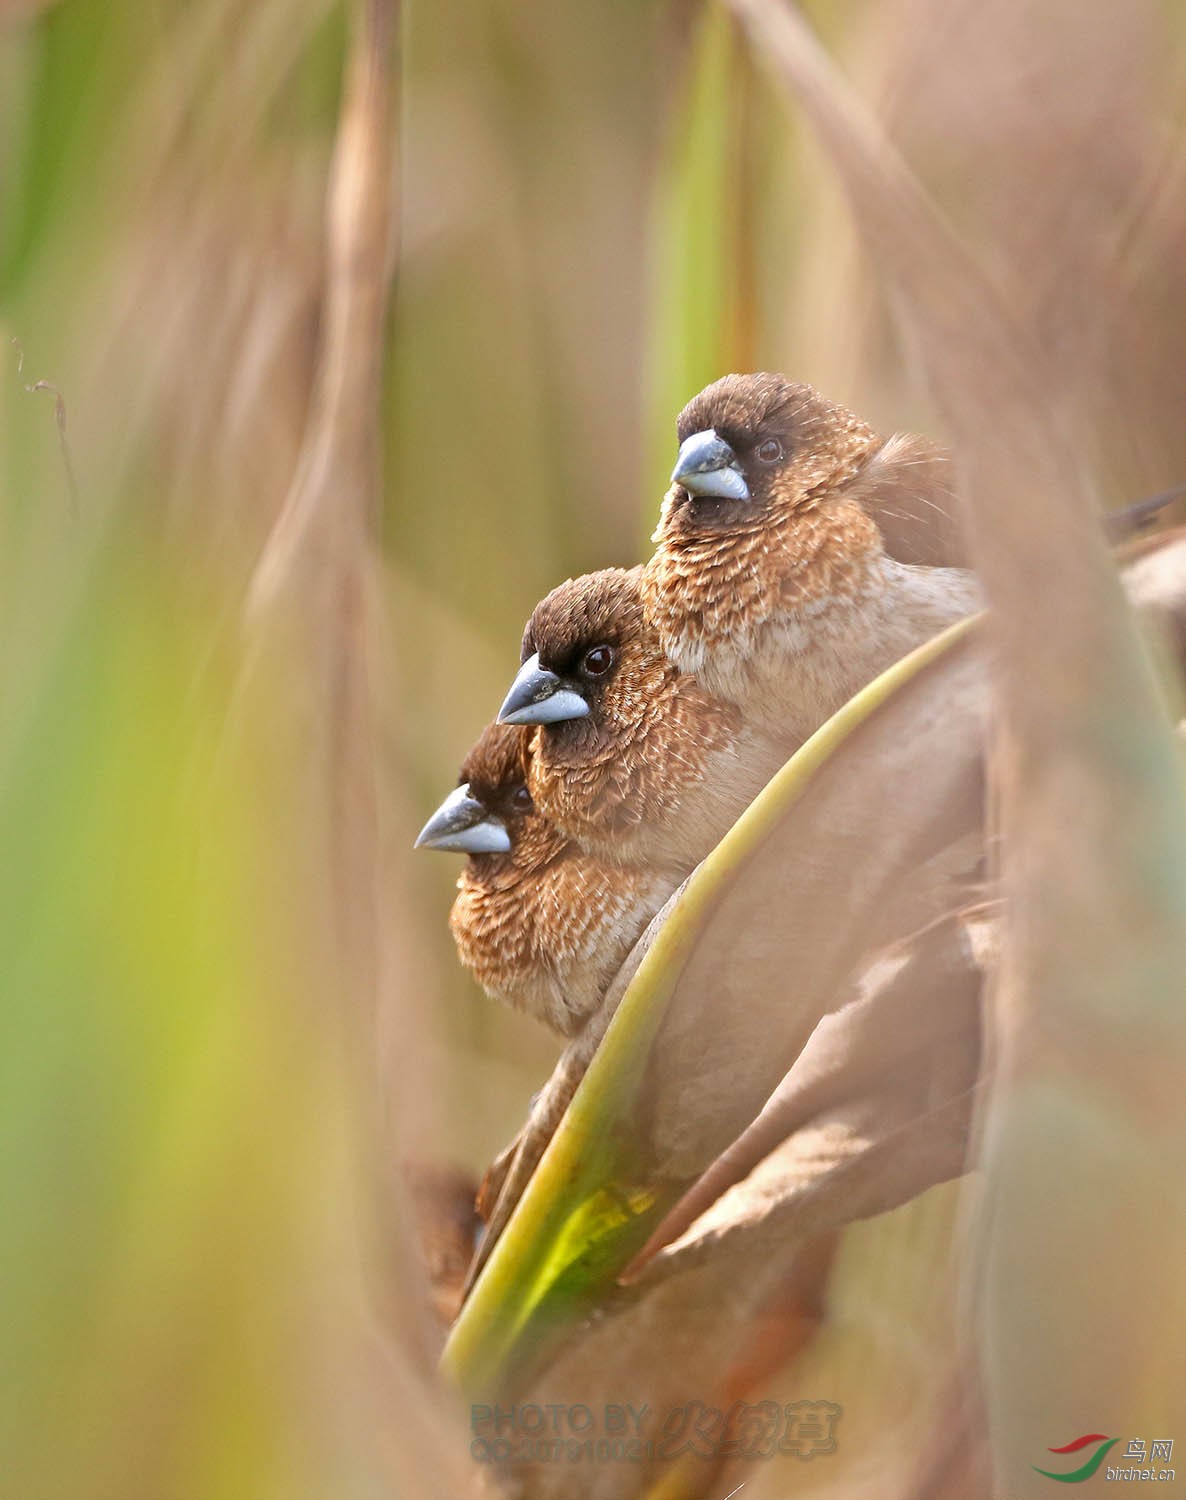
x,y
708,466
538,696
463,825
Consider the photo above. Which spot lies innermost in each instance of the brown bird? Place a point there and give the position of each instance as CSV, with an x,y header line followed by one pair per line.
x,y
634,759
540,923
799,553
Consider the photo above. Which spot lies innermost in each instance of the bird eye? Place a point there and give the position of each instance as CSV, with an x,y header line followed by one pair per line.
x,y
522,800
598,661
770,451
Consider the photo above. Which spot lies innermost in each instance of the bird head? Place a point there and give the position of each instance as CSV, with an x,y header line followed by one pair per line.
x,y
590,663
624,736
754,448
490,814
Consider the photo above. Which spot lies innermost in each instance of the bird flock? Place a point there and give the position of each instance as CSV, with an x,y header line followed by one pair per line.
x,y
798,554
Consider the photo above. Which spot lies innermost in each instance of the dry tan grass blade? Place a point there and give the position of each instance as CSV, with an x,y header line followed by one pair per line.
x,y
1086,1129
912,1003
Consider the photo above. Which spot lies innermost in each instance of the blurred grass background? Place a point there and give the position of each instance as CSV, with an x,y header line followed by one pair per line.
x,y
600,209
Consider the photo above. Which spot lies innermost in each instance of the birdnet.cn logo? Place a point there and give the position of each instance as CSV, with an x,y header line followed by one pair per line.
x,y
1141,1460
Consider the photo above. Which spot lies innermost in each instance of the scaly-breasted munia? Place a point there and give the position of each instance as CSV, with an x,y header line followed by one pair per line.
x,y
635,760
540,923
799,553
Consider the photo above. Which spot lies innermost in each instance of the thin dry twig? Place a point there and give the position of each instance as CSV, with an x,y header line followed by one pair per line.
x,y
59,419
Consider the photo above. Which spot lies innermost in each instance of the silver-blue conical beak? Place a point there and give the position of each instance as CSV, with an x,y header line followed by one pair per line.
x,y
708,466
538,696
463,825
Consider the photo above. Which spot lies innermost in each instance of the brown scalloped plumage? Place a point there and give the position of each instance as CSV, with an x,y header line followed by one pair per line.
x,y
660,769
545,927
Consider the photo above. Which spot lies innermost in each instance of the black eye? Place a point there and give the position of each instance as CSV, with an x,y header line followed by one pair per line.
x,y
598,661
770,451
521,798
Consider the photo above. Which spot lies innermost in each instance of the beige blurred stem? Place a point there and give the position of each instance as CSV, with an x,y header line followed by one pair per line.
x,y
307,604
1082,1302
309,689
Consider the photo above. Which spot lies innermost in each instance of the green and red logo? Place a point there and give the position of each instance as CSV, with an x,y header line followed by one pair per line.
x,y
1085,1471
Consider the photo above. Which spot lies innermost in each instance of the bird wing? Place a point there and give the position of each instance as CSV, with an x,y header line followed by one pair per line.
x,y
906,487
